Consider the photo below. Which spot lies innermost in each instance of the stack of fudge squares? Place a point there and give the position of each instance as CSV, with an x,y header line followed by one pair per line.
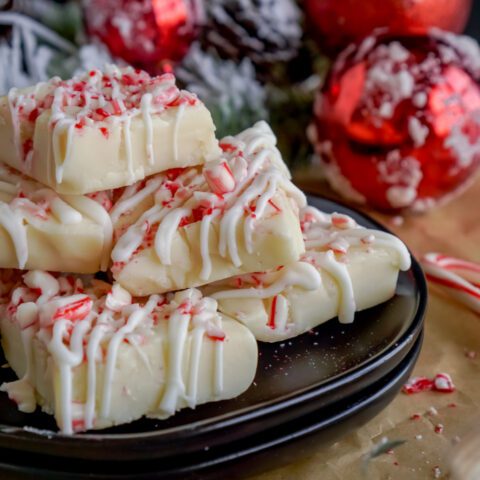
x,y
141,258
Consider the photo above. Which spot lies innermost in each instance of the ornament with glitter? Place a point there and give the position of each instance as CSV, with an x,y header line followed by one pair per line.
x,y
337,23
145,33
265,31
398,123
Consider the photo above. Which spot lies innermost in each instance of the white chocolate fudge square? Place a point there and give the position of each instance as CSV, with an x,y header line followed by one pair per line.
x,y
40,229
234,215
103,130
346,268
95,358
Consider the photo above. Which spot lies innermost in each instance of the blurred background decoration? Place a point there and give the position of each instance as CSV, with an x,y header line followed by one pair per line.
x,y
396,122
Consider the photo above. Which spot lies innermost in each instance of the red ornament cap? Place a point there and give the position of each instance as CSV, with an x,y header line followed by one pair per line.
x,y
397,124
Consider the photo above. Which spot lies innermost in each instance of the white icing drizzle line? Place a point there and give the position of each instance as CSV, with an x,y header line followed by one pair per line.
x,y
12,222
96,337
137,316
346,306
460,278
204,244
260,205
13,103
129,202
66,359
71,327
147,120
61,210
132,238
298,274
166,232
128,146
176,128
93,210
175,387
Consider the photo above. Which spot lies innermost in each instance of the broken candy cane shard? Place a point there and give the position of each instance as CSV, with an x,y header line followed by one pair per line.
x,y
76,310
451,263
417,385
443,383
438,269
219,176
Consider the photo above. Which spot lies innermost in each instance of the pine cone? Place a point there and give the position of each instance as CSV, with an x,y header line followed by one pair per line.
x,y
229,90
266,31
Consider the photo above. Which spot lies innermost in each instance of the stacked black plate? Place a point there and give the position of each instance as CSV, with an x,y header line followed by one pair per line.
x,y
308,391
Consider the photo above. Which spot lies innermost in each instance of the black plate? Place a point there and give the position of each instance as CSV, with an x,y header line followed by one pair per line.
x,y
295,378
275,447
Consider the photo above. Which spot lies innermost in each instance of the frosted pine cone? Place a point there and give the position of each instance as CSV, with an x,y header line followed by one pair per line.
x,y
266,31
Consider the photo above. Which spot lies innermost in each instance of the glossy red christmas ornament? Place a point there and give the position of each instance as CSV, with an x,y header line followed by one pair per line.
x,y
144,33
336,23
397,124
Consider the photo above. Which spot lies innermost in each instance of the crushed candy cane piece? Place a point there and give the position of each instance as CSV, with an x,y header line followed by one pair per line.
x,y
437,473
443,383
219,176
117,298
342,222
439,428
432,411
417,385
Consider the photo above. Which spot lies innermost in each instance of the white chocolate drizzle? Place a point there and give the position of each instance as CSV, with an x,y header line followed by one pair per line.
x,y
90,325
27,202
176,129
147,120
98,100
241,187
328,237
13,224
96,212
298,274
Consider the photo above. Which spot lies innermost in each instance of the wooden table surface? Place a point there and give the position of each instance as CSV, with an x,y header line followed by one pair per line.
x,y
451,345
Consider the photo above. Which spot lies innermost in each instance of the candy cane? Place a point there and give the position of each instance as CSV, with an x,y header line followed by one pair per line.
x,y
449,272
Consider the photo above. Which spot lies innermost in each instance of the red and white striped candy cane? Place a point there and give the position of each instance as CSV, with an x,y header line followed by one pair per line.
x,y
461,278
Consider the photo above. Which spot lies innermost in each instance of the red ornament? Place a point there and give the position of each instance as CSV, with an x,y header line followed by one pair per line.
x,y
336,23
397,124
144,33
